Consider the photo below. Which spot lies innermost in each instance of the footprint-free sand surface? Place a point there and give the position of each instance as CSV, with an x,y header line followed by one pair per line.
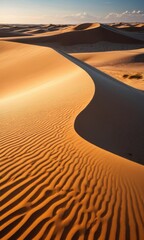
x,y
126,66
56,183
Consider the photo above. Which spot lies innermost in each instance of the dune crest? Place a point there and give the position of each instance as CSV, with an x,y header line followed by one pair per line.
x,y
85,26
22,76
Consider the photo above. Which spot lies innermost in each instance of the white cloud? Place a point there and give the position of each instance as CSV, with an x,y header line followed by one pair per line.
x,y
126,16
80,17
74,18
135,15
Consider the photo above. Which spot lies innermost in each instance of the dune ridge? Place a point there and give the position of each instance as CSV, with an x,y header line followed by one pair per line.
x,y
54,184
80,34
130,27
115,107
22,76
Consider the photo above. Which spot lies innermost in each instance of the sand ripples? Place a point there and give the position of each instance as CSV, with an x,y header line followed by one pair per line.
x,y
54,184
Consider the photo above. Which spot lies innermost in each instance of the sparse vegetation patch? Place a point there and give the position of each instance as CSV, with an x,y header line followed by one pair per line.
x,y
134,76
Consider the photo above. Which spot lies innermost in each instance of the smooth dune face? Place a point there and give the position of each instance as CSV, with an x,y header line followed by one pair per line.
x,y
19,75
54,183
122,65
111,58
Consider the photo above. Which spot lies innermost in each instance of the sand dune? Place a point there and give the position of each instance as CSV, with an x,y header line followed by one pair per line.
x,y
126,104
81,34
12,33
25,30
121,65
22,75
137,36
87,26
54,183
113,58
131,27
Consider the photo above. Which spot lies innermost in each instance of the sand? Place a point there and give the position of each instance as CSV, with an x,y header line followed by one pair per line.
x,y
76,34
122,65
56,183
131,27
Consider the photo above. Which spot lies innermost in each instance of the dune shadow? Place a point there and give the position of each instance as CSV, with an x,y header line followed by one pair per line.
x,y
114,119
101,46
139,58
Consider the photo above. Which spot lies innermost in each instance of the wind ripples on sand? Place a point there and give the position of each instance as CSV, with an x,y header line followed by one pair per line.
x,y
56,185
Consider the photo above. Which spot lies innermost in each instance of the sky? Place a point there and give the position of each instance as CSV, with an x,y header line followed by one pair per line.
x,y
70,11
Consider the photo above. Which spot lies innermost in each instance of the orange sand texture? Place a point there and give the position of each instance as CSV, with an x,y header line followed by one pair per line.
x,y
71,143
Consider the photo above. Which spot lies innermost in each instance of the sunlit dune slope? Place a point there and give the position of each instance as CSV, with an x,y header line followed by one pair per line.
x,y
55,184
112,58
131,27
17,74
122,65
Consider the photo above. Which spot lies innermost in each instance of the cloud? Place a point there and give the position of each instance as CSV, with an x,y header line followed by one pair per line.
x,y
74,18
126,16
80,18
135,15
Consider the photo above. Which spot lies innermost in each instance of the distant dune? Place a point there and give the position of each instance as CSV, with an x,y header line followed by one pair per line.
x,y
122,65
86,26
71,143
133,27
79,34
12,34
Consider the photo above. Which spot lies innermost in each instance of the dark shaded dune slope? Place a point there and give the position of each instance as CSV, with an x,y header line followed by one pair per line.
x,y
133,29
11,33
83,26
113,120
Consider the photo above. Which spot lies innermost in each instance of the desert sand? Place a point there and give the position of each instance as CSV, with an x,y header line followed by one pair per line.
x,y
126,66
71,144
70,35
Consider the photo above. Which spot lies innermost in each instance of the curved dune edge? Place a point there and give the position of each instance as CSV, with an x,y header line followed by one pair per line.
x,y
55,185
119,64
86,26
19,76
113,120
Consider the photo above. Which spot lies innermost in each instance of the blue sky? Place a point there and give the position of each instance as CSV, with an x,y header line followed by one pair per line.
x,y
67,11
